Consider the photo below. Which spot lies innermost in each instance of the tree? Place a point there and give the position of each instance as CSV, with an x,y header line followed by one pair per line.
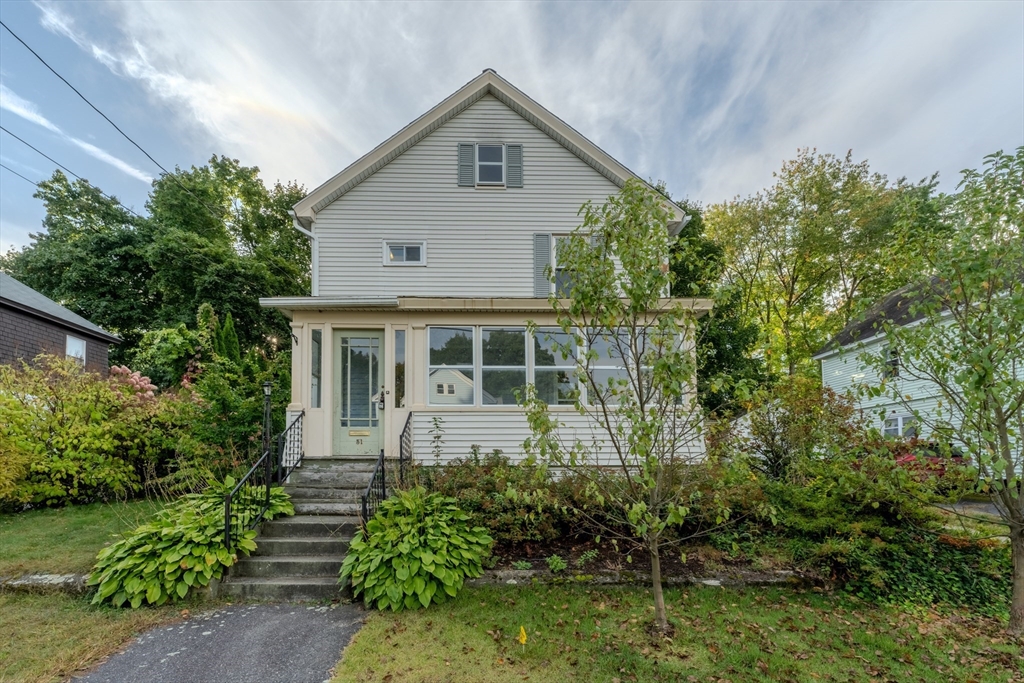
x,y
807,253
642,462
726,339
228,341
969,340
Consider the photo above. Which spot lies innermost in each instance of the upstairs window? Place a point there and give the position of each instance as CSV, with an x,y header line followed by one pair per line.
x,y
405,253
562,275
490,164
75,348
892,363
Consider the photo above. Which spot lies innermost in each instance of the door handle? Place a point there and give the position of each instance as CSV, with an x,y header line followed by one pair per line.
x,y
382,401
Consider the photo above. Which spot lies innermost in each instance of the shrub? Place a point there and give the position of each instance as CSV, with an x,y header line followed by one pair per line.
x,y
181,548
556,563
418,549
515,503
71,436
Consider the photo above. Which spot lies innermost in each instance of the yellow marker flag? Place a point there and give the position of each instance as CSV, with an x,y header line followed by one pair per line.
x,y
522,635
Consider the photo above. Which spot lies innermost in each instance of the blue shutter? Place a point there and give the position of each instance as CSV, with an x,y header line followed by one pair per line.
x,y
466,171
514,165
541,261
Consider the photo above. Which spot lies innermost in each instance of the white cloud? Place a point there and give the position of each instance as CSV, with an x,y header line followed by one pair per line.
x,y
708,97
21,107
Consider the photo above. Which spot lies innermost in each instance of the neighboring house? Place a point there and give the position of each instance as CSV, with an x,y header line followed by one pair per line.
x,y
843,371
31,324
428,257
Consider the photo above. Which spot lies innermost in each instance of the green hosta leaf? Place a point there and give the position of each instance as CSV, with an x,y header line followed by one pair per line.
x,y
181,589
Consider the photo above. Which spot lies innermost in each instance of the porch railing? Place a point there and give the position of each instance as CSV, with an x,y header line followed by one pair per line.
x,y
376,490
247,503
405,450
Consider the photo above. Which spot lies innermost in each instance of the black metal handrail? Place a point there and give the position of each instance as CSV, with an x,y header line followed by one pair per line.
x,y
289,449
405,449
245,506
376,490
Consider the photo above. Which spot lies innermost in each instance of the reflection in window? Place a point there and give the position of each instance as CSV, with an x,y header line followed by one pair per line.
x,y
315,368
503,364
399,368
75,348
451,365
554,374
615,353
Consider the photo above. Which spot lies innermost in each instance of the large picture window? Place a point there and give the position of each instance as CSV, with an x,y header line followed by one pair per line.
x,y
503,364
554,374
451,364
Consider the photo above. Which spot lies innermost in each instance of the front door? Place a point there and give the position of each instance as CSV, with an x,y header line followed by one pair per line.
x,y
358,386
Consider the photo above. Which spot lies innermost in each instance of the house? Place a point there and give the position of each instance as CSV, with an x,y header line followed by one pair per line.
x,y
31,324
429,255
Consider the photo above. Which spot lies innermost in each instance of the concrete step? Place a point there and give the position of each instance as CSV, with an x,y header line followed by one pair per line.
x,y
288,566
269,547
339,526
327,476
326,506
283,588
353,463
298,493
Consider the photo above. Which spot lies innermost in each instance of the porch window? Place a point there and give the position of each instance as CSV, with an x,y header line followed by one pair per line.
x,y
614,355
316,366
503,364
554,374
399,368
451,363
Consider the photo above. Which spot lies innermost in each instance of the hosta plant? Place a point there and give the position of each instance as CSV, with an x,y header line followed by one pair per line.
x,y
418,549
181,548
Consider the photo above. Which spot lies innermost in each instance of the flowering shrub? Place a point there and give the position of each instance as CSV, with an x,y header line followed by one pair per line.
x,y
71,436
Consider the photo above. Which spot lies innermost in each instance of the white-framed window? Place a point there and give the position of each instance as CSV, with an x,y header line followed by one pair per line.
x,y
892,363
451,364
554,375
614,355
502,364
405,253
75,348
901,425
562,277
490,164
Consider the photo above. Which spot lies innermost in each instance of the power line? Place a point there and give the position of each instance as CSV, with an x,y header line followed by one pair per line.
x,y
5,166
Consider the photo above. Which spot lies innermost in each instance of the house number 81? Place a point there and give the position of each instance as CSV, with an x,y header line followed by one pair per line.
x,y
359,442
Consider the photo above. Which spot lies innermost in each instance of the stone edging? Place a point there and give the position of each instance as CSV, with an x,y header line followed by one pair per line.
x,y
45,583
735,578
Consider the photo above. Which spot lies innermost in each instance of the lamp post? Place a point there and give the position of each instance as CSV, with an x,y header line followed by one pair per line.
x,y
268,464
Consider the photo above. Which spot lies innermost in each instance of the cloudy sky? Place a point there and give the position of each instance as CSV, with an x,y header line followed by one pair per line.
x,y
710,98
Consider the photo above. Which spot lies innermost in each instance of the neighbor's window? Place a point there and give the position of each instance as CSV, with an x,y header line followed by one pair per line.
x,y
405,254
892,363
502,365
75,348
399,368
451,363
554,375
901,425
315,368
490,164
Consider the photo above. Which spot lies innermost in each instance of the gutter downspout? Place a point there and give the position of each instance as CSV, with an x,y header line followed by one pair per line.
x,y
314,257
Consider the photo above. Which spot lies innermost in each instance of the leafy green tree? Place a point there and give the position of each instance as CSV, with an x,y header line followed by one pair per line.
x,y
228,341
727,341
812,251
643,462
968,344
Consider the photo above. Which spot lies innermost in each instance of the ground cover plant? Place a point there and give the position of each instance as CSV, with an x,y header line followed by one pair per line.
x,y
51,637
604,634
418,549
65,540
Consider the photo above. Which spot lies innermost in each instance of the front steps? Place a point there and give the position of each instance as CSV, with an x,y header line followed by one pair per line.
x,y
298,558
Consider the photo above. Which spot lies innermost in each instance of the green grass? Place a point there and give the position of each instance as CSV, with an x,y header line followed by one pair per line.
x,y
65,540
600,634
50,637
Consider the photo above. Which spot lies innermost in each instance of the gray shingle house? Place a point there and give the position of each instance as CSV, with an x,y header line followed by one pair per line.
x,y
31,324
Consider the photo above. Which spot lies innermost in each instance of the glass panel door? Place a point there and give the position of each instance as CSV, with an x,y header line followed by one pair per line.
x,y
358,383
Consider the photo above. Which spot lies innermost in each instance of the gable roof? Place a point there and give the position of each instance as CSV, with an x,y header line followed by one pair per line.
x,y
23,297
487,83
895,307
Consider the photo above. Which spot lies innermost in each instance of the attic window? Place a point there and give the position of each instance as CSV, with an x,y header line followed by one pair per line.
x,y
490,164
405,253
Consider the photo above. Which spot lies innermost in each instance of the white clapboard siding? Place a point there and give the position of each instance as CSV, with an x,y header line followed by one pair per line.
x,y
479,241
502,430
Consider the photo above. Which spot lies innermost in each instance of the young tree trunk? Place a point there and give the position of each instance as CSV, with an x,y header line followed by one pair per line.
x,y
1017,600
659,597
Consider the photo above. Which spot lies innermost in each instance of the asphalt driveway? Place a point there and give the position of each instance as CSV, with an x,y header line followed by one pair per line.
x,y
276,643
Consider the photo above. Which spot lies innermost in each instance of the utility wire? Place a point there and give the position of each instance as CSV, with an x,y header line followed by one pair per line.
x,y
65,168
5,166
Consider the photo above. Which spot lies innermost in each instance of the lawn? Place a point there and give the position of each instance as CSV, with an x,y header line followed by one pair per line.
x,y
65,540
599,635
